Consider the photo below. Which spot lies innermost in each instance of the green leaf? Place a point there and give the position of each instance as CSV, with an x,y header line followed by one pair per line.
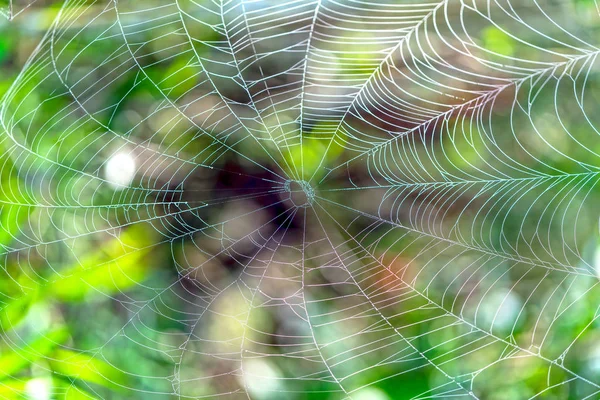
x,y
12,389
15,208
75,393
498,41
117,266
85,367
18,359
15,311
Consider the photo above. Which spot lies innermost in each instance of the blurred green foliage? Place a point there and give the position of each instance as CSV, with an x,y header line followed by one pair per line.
x,y
53,322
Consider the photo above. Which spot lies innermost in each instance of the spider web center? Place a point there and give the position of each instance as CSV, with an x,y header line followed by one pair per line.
x,y
300,192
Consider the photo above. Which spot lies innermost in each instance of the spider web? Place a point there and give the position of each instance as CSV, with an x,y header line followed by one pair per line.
x,y
354,194
11,8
